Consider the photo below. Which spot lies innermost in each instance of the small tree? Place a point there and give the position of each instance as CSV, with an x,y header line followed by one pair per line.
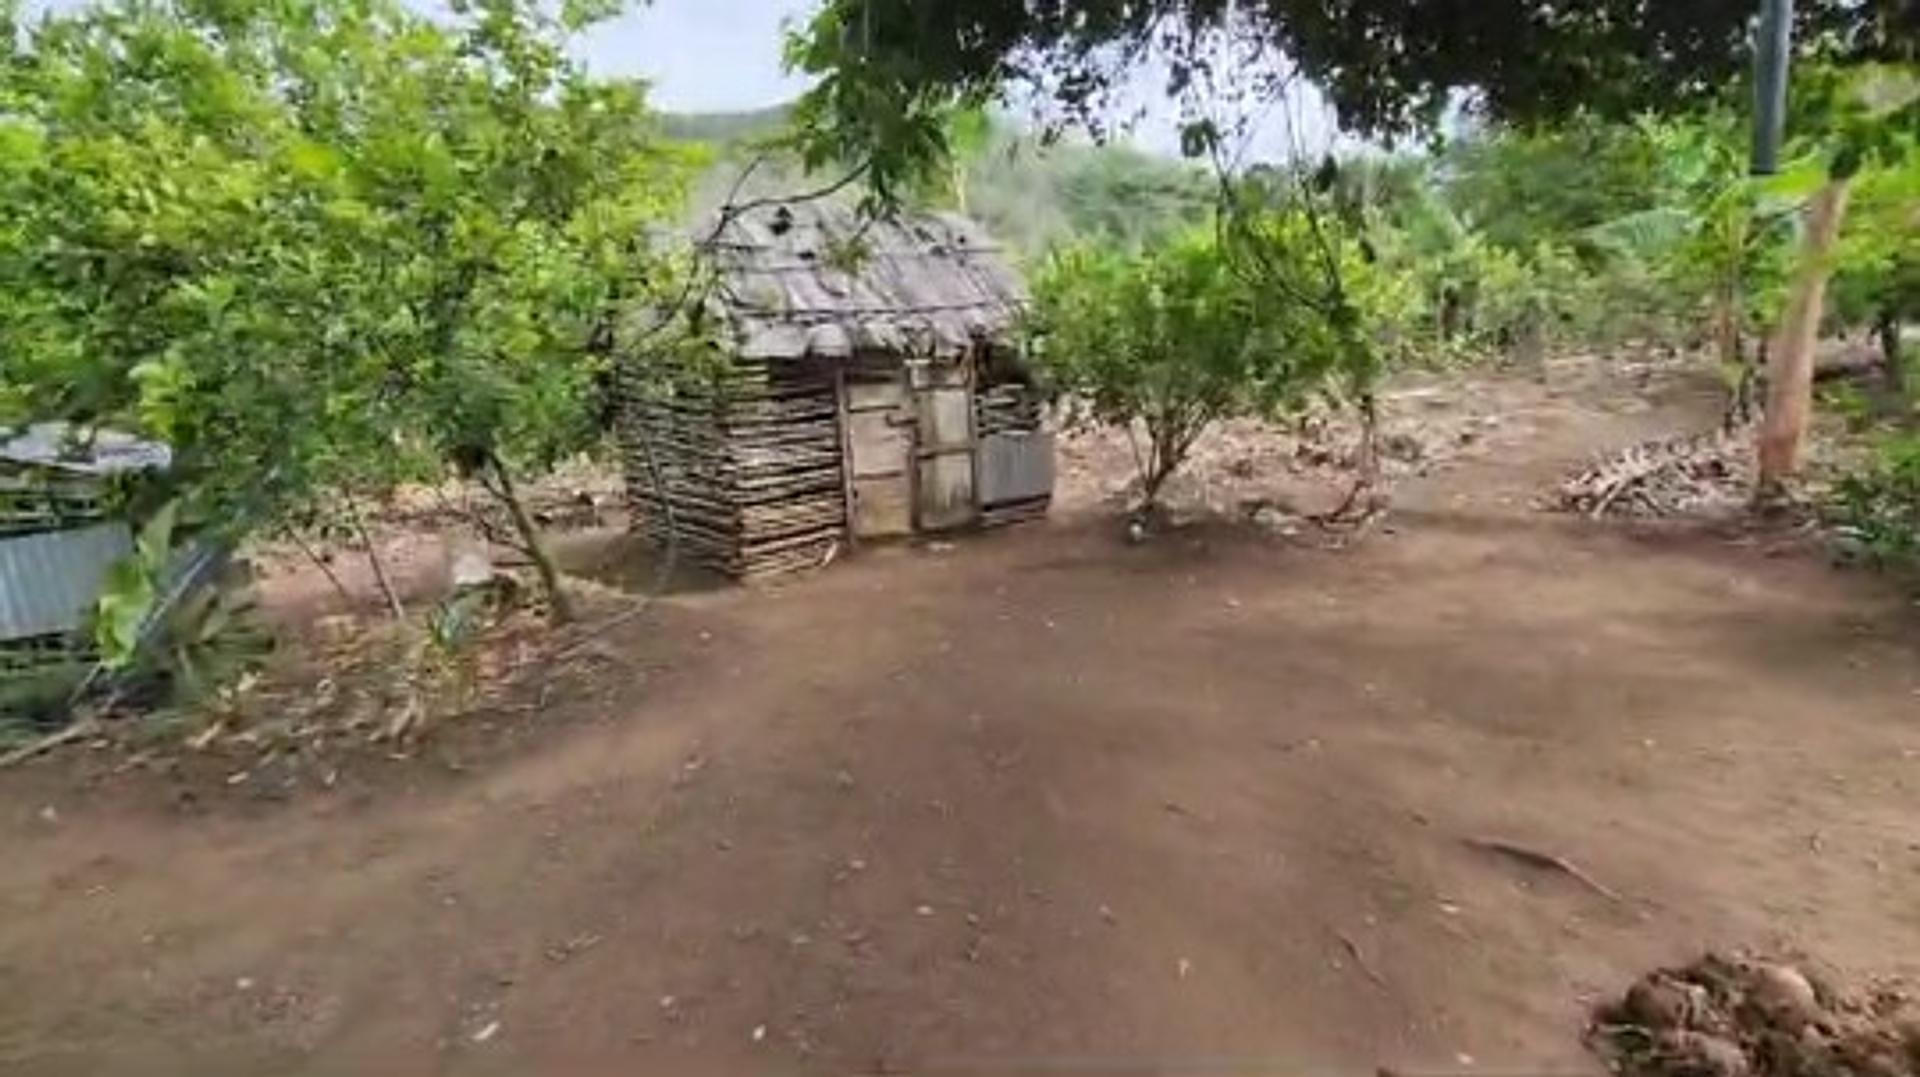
x,y
1877,273
1163,343
324,247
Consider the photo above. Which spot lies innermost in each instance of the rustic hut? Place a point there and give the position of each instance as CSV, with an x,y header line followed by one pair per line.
x,y
871,386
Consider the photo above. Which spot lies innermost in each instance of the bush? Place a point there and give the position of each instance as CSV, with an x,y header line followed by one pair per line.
x,y
1878,507
1165,341
34,699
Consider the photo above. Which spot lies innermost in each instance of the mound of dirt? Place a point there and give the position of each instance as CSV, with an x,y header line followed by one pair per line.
x,y
1745,1017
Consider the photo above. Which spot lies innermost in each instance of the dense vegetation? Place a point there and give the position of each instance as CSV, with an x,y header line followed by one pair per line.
x,y
1606,194
321,247
327,247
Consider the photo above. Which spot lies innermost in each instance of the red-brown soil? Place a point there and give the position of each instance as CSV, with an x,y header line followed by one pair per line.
x,y
1042,801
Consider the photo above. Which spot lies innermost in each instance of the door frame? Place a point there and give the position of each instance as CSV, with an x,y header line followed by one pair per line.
x,y
959,375
898,414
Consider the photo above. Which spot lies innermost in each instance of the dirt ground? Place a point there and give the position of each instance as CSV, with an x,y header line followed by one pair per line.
x,y
1044,801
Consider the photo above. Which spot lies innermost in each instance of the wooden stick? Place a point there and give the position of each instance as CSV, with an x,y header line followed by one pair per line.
x,y
325,569
1534,858
373,560
1360,959
53,740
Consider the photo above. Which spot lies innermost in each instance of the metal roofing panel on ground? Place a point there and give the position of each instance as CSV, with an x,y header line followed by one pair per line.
x,y
49,580
71,448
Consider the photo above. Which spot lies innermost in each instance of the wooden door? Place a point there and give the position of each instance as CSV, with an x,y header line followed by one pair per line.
x,y
879,456
943,399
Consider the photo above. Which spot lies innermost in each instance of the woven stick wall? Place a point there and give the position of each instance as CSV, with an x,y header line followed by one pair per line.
x,y
748,470
34,500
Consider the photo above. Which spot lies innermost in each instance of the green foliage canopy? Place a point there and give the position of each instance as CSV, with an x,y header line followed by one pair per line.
x,y
1164,340
319,245
889,69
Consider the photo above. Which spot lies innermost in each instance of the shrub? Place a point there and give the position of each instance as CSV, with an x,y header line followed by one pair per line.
x,y
1878,507
1163,342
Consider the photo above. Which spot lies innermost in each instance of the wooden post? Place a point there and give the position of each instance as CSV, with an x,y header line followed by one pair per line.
x,y
846,449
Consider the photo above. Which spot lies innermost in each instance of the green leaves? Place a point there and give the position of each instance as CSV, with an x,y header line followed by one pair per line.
x,y
1878,506
120,612
323,246
1170,339
132,587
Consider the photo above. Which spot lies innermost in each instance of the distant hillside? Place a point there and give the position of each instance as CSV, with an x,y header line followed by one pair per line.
x,y
1029,196
724,128
1036,197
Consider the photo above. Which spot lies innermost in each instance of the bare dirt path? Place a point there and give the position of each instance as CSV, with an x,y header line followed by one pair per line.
x,y
1044,800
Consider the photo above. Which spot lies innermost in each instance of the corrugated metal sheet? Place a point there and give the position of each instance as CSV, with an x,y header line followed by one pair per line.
x,y
49,581
1015,467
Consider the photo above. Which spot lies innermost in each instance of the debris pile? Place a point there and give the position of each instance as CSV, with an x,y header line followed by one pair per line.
x,y
1745,1017
1665,477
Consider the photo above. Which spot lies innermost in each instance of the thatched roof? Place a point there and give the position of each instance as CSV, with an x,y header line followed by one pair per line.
x,y
917,285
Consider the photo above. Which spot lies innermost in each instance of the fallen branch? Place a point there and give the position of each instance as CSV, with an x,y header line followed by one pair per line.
x,y
1665,477
320,563
1534,858
374,560
76,731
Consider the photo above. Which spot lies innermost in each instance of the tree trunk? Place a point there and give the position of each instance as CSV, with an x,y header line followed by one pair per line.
x,y
1735,368
561,609
1369,449
1783,429
1886,326
374,562
1161,464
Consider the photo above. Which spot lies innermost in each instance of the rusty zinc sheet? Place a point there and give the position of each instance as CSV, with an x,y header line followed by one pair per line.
x,y
1015,467
49,580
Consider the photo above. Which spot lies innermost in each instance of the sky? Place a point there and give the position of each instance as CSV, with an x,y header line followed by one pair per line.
x,y
724,56
701,55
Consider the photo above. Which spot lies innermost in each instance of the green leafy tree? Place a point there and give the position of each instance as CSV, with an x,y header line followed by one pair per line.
x,y
1859,120
1035,196
1877,267
1519,186
1166,340
1161,343
322,246
888,69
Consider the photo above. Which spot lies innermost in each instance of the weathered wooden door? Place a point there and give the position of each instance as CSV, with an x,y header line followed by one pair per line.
x,y
943,399
879,455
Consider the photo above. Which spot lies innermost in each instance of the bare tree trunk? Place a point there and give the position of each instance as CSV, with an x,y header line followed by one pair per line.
x,y
1783,429
1886,326
1369,439
1735,367
559,605
374,562
1359,500
1160,467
